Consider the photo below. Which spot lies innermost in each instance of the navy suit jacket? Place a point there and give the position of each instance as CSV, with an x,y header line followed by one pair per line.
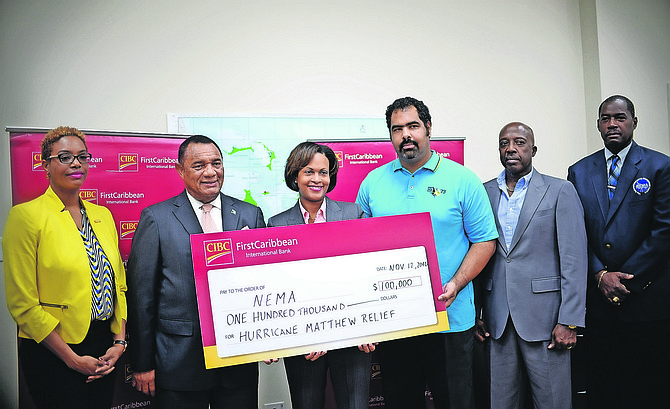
x,y
163,320
631,234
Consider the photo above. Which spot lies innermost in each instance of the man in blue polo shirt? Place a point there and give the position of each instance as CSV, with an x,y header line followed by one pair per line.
x,y
465,232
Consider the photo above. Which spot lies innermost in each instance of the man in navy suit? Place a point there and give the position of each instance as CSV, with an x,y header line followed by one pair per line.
x,y
167,353
625,191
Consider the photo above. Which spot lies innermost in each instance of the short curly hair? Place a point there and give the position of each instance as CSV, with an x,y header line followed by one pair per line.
x,y
300,157
54,136
405,103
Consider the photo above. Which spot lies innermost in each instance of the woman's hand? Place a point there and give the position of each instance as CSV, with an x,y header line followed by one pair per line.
x,y
95,368
108,361
88,365
367,348
313,356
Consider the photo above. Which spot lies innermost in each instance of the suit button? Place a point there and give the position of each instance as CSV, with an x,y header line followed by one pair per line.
x,y
608,246
509,260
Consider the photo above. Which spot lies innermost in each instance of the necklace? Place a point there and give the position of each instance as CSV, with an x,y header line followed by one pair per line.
x,y
510,191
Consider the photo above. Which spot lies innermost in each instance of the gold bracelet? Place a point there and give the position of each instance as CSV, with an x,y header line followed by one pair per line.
x,y
601,277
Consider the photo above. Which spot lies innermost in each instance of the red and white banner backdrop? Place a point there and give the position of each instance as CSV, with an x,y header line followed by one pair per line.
x,y
130,171
358,158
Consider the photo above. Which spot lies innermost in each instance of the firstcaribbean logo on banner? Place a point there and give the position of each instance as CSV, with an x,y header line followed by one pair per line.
x,y
37,161
128,162
89,195
127,229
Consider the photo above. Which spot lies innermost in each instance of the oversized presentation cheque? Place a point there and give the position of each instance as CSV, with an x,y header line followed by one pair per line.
x,y
283,291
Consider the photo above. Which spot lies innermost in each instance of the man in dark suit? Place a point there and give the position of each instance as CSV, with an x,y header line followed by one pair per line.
x,y
625,191
167,353
533,290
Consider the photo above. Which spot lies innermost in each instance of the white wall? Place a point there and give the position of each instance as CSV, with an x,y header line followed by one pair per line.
x,y
635,61
123,65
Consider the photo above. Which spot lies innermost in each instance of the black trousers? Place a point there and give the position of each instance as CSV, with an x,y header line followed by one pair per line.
x,y
53,385
444,361
627,363
349,374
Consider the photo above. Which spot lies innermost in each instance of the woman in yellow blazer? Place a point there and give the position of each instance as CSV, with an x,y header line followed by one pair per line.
x,y
65,283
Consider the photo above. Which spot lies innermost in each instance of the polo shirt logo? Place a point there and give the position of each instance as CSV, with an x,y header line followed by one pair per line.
x,y
435,191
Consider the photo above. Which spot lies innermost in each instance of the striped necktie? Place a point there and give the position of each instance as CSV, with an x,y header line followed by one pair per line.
x,y
613,175
208,225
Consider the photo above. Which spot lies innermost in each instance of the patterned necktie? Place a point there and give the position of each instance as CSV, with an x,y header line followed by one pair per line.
x,y
208,225
613,177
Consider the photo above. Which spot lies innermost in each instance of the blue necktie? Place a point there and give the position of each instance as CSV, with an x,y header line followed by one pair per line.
x,y
613,177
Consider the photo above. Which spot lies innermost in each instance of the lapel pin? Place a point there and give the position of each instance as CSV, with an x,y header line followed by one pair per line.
x,y
642,186
232,211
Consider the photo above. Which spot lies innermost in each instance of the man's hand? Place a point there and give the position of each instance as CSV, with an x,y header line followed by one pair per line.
x,y
473,263
145,382
449,294
611,287
563,337
481,333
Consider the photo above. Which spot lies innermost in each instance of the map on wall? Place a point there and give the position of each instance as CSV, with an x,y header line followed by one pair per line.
x,y
255,149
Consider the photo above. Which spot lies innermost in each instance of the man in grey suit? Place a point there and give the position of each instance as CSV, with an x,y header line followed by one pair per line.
x,y
533,290
167,353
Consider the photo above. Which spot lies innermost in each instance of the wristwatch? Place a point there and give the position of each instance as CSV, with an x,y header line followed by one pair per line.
x,y
121,342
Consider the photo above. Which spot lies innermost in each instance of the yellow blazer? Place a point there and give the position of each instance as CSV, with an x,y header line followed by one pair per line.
x,y
47,273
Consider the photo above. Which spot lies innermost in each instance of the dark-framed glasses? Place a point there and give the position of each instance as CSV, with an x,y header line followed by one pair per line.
x,y
68,158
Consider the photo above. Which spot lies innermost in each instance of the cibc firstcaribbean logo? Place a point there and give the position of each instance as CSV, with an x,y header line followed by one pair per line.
x,y
89,195
127,229
37,161
340,157
128,162
218,252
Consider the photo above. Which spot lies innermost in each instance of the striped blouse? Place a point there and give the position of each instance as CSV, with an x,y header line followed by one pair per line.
x,y
102,275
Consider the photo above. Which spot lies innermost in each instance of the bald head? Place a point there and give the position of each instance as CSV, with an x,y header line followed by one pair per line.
x,y
519,127
516,143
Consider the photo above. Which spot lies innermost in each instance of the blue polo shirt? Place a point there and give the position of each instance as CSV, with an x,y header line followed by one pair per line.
x,y
459,209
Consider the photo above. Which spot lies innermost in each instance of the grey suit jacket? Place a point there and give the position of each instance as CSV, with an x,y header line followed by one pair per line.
x,y
163,321
541,280
334,211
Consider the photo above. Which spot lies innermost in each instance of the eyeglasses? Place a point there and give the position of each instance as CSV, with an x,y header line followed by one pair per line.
x,y
68,158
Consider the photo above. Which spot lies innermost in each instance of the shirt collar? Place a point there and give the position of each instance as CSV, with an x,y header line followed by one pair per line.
x,y
320,215
197,204
622,153
432,164
521,184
